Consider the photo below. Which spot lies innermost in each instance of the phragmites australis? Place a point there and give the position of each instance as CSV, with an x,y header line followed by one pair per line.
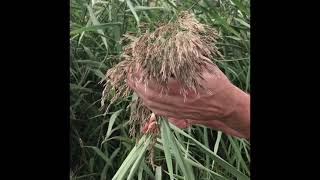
x,y
178,50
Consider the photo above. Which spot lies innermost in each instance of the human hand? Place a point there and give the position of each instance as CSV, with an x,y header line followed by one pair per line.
x,y
219,104
215,124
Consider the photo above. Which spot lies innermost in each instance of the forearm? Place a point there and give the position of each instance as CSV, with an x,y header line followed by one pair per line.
x,y
233,110
239,117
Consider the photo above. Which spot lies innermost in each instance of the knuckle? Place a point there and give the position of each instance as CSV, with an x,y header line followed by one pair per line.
x,y
157,112
147,102
150,96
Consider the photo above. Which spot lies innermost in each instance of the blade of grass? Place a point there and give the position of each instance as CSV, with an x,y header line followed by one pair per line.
x,y
148,170
192,161
166,147
95,28
175,176
212,12
106,167
100,75
246,151
129,160
137,163
115,153
248,79
133,11
241,7
100,153
238,154
111,122
140,172
158,173
216,146
217,158
206,143
83,33
146,8
86,176
96,22
198,165
103,175
185,168
243,22
91,63
75,87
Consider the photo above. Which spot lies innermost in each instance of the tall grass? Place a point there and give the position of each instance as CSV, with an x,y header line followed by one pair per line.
x,y
100,145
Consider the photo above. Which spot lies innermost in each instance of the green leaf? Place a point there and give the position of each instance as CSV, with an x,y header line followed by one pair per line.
x,y
146,8
206,143
89,53
158,173
234,38
92,63
238,154
213,12
198,165
98,73
141,154
129,3
130,162
111,122
185,167
216,145
96,22
100,153
95,27
248,78
166,147
241,6
217,159
91,164
148,170
140,172
103,175
86,176
243,22
74,87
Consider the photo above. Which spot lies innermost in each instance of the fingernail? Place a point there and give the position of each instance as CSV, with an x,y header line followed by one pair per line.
x,y
153,117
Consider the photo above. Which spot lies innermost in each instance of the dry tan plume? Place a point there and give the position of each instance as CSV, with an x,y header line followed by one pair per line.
x,y
176,50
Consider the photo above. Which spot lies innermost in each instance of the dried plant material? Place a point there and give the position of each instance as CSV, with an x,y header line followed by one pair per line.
x,y
151,127
178,50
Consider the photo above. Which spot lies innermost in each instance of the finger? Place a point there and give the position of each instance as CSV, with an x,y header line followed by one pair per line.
x,y
161,112
144,128
130,83
187,122
153,118
173,87
215,124
180,123
220,126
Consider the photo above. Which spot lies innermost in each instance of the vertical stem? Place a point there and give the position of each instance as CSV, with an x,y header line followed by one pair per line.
x,y
216,146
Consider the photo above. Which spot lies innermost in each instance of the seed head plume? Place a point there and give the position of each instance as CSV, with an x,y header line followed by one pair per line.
x,y
178,50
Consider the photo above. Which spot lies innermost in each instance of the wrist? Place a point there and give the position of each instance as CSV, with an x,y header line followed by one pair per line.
x,y
238,116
